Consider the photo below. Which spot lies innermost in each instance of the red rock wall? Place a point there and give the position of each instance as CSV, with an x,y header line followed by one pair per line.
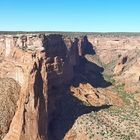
x,y
38,63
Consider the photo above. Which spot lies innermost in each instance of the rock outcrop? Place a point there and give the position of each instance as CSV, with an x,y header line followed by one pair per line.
x,y
120,66
39,64
96,96
127,71
9,95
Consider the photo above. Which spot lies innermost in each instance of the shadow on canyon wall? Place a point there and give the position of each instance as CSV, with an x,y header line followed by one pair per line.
x,y
62,108
91,73
68,109
40,101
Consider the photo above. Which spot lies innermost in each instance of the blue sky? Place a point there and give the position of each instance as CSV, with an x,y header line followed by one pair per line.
x,y
70,15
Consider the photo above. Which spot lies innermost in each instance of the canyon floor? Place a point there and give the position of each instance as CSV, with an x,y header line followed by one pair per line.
x,y
55,87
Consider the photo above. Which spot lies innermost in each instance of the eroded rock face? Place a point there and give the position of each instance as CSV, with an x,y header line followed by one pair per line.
x,y
55,78
38,63
120,57
9,95
120,66
127,71
110,48
96,96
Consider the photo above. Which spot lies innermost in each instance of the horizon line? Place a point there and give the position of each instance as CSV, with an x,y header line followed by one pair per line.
x,y
25,31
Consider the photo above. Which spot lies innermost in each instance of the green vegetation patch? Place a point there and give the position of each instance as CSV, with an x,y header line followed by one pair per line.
x,y
127,97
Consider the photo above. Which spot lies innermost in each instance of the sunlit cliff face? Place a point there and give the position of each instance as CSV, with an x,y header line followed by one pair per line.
x,y
54,78
38,63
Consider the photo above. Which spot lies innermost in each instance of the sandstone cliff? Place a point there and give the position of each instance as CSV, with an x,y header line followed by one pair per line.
x,y
39,64
51,82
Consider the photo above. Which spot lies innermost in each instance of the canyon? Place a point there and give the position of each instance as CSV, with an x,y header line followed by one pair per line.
x,y
72,87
